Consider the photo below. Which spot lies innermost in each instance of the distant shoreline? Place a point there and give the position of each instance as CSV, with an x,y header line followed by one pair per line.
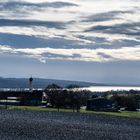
x,y
90,88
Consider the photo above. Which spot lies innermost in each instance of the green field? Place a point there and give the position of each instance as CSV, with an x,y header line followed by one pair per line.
x,y
37,108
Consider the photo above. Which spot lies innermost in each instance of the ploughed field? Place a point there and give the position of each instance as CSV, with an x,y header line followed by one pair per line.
x,y
41,125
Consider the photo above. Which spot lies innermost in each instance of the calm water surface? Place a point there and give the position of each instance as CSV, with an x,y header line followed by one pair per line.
x,y
92,88
109,88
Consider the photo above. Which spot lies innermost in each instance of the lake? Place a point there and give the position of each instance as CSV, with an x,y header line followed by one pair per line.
x,y
91,88
109,88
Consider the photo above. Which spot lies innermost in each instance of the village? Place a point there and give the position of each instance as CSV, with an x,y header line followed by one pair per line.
x,y
54,96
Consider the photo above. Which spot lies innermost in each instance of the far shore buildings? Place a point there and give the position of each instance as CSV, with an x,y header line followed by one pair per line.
x,y
101,104
22,97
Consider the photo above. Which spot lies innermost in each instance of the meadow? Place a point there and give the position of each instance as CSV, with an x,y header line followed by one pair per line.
x,y
46,125
129,114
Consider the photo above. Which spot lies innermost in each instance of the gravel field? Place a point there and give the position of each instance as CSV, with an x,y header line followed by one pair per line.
x,y
39,125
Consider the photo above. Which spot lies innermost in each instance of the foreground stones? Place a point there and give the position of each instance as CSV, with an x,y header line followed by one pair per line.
x,y
39,125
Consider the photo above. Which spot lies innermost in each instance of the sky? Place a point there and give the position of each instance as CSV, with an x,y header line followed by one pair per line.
x,y
83,40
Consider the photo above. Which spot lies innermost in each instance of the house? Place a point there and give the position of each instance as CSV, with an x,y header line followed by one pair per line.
x,y
32,98
21,98
101,104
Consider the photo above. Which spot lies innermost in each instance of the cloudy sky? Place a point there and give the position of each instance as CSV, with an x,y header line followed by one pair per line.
x,y
83,40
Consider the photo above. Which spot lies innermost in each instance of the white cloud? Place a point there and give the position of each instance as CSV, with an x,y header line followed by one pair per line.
x,y
75,29
97,55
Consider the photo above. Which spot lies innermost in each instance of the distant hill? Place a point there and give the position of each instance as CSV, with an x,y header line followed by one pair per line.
x,y
40,83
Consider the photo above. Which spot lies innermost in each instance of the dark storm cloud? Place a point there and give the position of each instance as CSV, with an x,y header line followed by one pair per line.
x,y
106,16
37,6
103,55
124,42
126,29
15,22
34,42
24,9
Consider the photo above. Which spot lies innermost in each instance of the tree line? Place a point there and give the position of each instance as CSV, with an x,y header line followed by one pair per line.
x,y
72,97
